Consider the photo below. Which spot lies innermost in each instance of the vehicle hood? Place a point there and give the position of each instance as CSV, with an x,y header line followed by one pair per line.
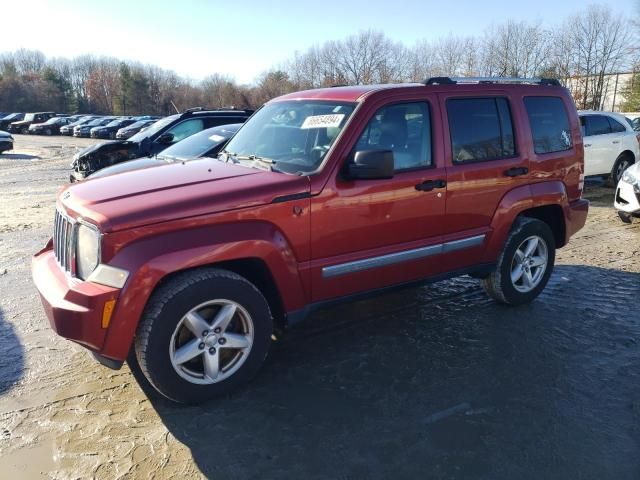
x,y
174,191
135,164
5,134
22,122
104,154
634,170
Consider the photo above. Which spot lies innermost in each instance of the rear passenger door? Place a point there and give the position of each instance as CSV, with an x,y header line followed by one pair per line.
x,y
598,144
483,162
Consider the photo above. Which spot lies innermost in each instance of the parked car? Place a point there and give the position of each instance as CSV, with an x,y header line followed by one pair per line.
x,y
110,129
627,197
204,144
22,126
9,119
321,196
153,140
50,127
634,119
610,144
68,129
134,128
6,142
84,129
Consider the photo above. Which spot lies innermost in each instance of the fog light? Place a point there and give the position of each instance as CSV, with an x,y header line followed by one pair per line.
x,y
109,306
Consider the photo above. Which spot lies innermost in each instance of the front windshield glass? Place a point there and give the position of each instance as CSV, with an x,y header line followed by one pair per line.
x,y
114,123
294,136
51,121
139,124
156,127
200,143
29,117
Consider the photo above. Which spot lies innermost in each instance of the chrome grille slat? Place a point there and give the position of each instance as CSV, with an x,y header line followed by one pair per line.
x,y
63,237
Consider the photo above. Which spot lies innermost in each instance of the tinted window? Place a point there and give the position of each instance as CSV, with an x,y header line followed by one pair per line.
x,y
549,123
616,127
186,129
596,125
403,128
481,129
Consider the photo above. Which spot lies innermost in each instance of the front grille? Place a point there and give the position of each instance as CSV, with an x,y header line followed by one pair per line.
x,y
64,232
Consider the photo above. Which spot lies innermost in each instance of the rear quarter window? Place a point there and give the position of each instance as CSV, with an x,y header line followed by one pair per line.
x,y
550,130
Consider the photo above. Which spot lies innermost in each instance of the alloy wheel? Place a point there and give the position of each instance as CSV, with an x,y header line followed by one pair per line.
x,y
211,342
529,264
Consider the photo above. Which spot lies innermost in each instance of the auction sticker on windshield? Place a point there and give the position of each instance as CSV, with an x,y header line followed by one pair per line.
x,y
323,121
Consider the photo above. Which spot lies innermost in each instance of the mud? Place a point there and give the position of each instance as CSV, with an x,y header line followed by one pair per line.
x,y
430,382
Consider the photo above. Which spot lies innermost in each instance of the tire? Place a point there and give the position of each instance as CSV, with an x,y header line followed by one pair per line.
x,y
623,162
48,132
500,285
175,360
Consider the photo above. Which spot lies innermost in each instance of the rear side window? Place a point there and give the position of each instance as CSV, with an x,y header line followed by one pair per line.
x,y
480,128
616,127
596,125
549,124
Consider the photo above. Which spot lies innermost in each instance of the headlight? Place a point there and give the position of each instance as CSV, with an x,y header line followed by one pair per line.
x,y
629,178
87,251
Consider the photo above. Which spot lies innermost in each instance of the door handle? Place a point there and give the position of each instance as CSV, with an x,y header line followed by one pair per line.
x,y
616,141
429,185
516,171
587,145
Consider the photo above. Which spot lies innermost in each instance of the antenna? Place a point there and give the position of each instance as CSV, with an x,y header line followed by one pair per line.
x,y
174,106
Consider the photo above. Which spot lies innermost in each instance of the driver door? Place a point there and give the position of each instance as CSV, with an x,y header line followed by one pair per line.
x,y
369,234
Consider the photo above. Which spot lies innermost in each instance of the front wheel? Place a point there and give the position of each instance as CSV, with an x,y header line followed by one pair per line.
x,y
203,334
524,265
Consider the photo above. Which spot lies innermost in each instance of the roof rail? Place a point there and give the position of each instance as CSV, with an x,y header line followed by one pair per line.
x,y
454,80
193,109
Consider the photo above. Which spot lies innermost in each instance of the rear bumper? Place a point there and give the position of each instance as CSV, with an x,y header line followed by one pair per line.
x,y
575,217
74,308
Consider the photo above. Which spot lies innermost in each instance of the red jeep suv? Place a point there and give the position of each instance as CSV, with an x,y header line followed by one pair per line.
x,y
322,195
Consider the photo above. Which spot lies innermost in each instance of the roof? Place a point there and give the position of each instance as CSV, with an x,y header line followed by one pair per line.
x,y
358,92
344,93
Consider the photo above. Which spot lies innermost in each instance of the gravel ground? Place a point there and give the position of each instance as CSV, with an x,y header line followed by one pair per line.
x,y
430,382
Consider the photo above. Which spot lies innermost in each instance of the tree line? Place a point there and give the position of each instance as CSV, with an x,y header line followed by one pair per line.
x,y
581,51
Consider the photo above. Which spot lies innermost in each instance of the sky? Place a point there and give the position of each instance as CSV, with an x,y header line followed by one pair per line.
x,y
243,38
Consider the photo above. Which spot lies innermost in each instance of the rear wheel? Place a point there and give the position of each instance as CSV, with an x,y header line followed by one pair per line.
x,y
203,334
623,162
524,265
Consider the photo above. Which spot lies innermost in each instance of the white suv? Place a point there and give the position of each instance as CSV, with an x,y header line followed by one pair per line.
x,y
610,144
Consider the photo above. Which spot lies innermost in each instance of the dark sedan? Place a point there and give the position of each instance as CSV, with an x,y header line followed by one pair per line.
x,y
110,129
9,119
134,128
204,144
50,127
84,130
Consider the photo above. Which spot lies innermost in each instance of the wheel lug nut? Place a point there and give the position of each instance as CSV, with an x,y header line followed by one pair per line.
x,y
201,346
216,330
222,341
212,350
205,333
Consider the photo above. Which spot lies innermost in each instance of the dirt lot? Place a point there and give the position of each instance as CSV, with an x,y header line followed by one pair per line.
x,y
431,382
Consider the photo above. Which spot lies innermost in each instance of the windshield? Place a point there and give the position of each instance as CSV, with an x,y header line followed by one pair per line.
x,y
156,127
197,145
11,116
115,123
140,124
29,117
293,135
51,121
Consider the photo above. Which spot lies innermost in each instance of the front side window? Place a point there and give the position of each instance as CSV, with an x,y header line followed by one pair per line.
x,y
404,129
595,125
186,129
481,129
291,136
549,124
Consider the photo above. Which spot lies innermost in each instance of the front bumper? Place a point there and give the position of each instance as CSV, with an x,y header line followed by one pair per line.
x,y
74,307
626,199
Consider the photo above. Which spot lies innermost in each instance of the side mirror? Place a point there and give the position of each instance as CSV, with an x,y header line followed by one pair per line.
x,y
165,138
371,164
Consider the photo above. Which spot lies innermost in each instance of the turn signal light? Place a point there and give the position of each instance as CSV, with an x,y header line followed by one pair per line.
x,y
109,306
